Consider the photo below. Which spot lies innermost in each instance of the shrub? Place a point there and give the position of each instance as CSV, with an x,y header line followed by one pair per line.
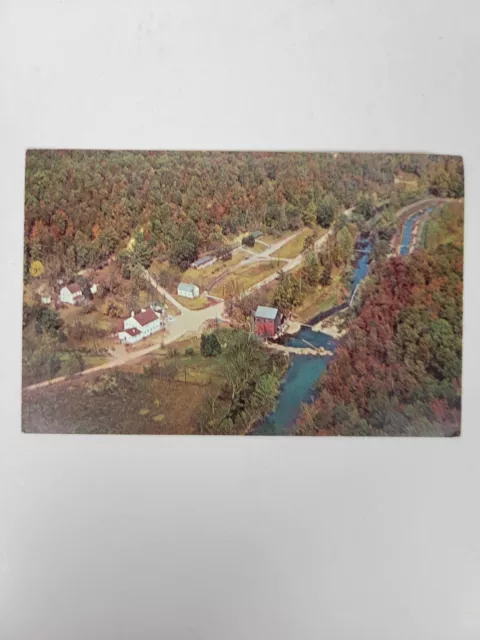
x,y
209,345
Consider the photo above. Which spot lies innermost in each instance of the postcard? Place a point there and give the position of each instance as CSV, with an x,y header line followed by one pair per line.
x,y
242,293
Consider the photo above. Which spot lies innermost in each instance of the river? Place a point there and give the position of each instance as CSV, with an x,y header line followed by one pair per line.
x,y
298,384
408,228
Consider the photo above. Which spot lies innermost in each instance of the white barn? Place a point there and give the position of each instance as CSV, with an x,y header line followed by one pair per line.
x,y
188,290
140,325
71,294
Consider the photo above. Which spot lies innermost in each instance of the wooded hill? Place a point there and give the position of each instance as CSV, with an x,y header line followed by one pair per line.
x,y
83,206
398,370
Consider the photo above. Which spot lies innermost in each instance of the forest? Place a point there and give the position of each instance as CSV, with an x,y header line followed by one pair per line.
x,y
398,369
82,207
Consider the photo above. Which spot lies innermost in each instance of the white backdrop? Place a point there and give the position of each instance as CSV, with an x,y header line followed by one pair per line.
x,y
242,538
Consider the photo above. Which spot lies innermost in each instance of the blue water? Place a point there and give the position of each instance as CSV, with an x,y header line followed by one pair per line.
x,y
408,228
361,269
298,385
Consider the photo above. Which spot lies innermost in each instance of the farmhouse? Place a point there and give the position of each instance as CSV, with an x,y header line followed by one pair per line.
x,y
267,321
71,294
139,325
201,263
188,290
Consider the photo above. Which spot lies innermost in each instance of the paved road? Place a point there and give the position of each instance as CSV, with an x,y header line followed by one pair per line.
x,y
165,293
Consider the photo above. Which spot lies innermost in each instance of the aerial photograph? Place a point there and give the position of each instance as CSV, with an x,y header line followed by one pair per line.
x,y
242,293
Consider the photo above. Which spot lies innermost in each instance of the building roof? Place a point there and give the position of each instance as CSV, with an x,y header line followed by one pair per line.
x,y
145,317
267,313
200,261
74,288
257,234
133,332
187,286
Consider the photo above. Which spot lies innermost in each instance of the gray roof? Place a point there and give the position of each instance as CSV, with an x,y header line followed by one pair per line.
x,y
186,286
269,313
201,261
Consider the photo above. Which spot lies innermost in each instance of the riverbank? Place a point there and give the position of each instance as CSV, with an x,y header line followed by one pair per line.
x,y
300,351
333,326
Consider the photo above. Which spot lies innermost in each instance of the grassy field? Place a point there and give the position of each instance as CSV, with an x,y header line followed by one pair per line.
x,y
247,276
194,304
72,314
258,247
271,239
293,248
136,405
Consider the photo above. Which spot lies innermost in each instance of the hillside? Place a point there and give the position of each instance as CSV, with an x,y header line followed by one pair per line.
x,y
81,207
398,370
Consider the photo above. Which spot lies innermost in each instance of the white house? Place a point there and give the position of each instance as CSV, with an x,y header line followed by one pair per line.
x,y
71,294
188,290
140,325
94,288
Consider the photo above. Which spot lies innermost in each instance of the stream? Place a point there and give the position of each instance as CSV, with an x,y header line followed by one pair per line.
x,y
298,384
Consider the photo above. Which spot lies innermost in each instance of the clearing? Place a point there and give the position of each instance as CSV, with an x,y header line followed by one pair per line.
x,y
194,304
132,404
293,248
247,276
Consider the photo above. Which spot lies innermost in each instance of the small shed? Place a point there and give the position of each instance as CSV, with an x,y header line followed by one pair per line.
x,y
188,290
267,321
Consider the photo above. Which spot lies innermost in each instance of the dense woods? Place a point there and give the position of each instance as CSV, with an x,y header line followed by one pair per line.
x,y
83,206
398,370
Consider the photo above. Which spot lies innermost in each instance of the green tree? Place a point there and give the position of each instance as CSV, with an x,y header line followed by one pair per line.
x,y
311,270
326,210
365,207
48,321
210,345
75,363
309,214
288,293
184,248
326,277
249,240
345,244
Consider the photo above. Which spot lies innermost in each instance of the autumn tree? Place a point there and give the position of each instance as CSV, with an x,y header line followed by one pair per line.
x,y
288,293
36,269
311,269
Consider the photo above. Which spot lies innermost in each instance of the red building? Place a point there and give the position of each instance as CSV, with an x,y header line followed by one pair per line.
x,y
267,321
